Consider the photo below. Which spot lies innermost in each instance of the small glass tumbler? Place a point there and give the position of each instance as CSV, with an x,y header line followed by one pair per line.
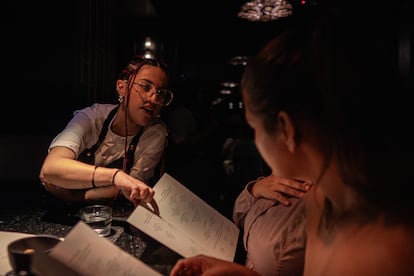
x,y
98,217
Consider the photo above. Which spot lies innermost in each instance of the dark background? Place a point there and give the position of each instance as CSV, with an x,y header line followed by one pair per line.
x,y
44,44
61,56
58,56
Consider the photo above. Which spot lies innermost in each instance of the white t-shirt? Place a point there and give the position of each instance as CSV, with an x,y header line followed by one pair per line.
x,y
83,131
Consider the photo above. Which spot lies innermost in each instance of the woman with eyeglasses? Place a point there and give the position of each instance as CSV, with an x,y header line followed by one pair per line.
x,y
110,151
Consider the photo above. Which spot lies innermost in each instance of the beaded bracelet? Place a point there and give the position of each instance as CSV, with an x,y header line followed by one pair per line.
x,y
113,177
93,177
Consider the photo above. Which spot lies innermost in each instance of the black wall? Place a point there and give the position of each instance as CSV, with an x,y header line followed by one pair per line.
x,y
42,45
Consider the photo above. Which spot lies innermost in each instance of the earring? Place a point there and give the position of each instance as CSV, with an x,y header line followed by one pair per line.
x,y
120,98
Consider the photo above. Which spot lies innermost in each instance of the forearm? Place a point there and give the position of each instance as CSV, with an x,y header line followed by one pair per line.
x,y
102,194
60,169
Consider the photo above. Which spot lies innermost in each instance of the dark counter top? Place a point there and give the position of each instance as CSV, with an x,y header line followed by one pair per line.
x,y
44,219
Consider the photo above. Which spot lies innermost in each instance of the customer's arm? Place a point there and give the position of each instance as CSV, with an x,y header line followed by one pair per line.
x,y
271,188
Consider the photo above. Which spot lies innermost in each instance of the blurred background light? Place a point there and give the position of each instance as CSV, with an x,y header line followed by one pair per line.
x,y
265,10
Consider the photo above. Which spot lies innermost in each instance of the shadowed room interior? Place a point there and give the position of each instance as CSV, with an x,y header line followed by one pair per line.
x,y
61,56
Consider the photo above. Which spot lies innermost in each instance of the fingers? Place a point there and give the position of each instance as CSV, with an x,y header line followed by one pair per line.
x,y
281,189
146,194
291,187
155,207
136,201
294,188
176,270
139,193
190,266
136,191
282,199
300,185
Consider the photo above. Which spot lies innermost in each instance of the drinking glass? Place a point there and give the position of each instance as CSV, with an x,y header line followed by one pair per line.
x,y
98,217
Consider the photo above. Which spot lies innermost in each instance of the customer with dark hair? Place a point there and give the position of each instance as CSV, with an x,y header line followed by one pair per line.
x,y
110,150
312,96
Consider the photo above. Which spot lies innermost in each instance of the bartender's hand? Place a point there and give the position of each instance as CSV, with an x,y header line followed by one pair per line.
x,y
135,190
208,266
279,188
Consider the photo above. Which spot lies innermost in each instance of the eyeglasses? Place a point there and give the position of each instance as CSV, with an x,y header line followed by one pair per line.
x,y
162,96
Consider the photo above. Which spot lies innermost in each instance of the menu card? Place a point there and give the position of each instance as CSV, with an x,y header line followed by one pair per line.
x,y
187,224
87,253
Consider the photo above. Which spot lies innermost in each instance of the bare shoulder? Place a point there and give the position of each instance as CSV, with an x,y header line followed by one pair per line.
x,y
376,249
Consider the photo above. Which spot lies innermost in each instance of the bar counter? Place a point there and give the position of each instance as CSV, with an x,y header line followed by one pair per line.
x,y
47,219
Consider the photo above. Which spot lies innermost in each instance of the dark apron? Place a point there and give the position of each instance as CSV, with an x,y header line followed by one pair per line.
x,y
88,155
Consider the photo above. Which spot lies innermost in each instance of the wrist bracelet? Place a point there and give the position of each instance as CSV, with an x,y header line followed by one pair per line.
x,y
93,177
113,177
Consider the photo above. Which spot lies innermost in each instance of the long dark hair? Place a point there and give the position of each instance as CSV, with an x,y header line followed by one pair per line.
x,y
329,72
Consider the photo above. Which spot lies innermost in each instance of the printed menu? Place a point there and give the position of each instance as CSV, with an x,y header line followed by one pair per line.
x,y
187,224
86,253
